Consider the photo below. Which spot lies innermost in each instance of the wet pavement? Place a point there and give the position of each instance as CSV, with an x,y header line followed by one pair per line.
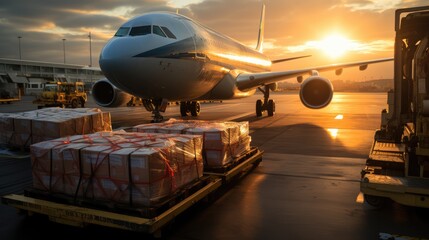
x,y
307,186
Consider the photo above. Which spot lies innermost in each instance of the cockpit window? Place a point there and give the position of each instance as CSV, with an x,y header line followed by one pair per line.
x,y
122,31
168,32
142,30
157,30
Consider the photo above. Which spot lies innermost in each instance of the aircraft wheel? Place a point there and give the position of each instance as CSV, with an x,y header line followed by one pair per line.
x,y
271,107
375,201
184,109
74,103
82,103
258,108
195,109
157,119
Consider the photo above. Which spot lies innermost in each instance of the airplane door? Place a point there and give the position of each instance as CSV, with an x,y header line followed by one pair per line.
x,y
197,38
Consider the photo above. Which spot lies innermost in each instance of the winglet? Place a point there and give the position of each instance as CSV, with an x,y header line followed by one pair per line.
x,y
259,46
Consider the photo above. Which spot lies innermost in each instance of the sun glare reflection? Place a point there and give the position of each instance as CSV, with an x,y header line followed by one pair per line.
x,y
360,198
336,45
333,132
339,117
245,59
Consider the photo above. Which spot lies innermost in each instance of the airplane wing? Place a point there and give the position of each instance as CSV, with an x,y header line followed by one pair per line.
x,y
289,59
247,81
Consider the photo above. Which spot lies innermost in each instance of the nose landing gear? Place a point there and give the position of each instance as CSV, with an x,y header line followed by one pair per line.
x,y
267,105
156,106
192,108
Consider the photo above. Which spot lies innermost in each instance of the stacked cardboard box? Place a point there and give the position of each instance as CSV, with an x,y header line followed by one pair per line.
x,y
222,141
24,129
136,169
6,127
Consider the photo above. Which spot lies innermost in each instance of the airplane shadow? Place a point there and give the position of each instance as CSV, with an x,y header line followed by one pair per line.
x,y
310,139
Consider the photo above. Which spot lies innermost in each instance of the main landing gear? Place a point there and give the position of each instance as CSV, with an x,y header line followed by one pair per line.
x,y
192,108
268,105
156,106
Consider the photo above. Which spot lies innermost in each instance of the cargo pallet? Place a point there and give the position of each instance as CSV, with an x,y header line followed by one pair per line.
x,y
147,222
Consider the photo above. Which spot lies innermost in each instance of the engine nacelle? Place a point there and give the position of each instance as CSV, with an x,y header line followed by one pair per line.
x,y
316,92
107,95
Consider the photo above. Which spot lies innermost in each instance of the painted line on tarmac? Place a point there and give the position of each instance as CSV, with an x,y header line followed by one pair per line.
x,y
219,106
387,236
238,116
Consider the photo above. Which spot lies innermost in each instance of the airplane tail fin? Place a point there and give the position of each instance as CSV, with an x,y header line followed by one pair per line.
x,y
259,45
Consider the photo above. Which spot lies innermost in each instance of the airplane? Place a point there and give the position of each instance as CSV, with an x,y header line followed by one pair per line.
x,y
166,57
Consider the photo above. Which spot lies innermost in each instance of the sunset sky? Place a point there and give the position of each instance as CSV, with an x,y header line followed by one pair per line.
x,y
332,31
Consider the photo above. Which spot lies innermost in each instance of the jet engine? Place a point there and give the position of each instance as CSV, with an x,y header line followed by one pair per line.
x,y
107,95
316,92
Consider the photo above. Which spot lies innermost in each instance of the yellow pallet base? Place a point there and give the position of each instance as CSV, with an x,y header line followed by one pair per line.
x,y
81,216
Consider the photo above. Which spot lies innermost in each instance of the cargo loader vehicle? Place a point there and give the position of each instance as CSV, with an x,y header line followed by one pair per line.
x,y
398,164
62,94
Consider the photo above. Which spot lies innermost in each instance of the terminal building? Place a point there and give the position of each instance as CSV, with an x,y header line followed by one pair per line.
x,y
28,77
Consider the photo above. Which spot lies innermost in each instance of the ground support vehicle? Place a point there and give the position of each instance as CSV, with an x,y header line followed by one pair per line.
x,y
398,164
148,220
62,94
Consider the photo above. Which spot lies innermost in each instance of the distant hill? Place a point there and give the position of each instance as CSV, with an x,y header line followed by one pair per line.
x,y
379,85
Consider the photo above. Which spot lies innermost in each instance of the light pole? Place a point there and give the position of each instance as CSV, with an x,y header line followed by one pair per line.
x,y
90,50
19,47
64,49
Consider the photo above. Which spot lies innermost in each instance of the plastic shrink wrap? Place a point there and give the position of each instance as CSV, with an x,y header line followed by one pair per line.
x,y
26,128
136,169
222,141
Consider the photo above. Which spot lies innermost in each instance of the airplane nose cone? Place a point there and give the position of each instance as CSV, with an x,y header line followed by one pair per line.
x,y
116,59
136,65
117,48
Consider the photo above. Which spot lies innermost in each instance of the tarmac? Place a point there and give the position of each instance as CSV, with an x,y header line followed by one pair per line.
x,y
307,186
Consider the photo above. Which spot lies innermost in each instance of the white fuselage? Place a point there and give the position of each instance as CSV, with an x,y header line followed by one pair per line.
x,y
185,61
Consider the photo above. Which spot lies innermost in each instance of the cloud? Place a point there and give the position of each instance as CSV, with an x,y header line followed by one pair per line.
x,y
42,24
352,46
380,6
374,5
182,3
291,26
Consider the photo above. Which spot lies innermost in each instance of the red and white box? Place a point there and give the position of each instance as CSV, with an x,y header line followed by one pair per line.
x,y
108,166
51,123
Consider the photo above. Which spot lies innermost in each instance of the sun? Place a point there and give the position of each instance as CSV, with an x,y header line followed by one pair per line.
x,y
336,45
